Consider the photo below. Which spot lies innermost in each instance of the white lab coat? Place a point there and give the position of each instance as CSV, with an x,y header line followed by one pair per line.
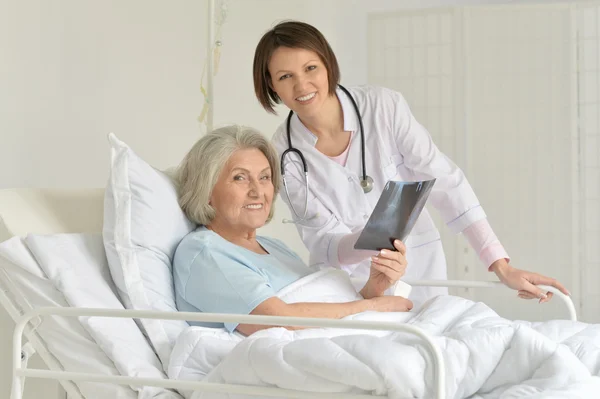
x,y
397,148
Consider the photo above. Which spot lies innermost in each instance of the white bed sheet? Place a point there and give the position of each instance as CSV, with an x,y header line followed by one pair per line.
x,y
65,338
76,264
486,356
74,273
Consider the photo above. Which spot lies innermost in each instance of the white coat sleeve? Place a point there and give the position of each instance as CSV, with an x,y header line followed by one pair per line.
x,y
452,195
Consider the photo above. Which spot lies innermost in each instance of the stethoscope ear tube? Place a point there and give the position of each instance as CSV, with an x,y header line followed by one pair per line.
x,y
285,187
295,151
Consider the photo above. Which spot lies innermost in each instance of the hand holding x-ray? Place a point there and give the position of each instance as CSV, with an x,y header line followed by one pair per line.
x,y
395,214
387,268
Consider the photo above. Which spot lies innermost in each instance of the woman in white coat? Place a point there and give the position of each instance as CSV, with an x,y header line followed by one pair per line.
x,y
294,64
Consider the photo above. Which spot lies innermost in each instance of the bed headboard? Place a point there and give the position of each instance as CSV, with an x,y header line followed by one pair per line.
x,y
50,211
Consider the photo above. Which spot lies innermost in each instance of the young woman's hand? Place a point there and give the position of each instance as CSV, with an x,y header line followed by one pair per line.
x,y
526,282
386,268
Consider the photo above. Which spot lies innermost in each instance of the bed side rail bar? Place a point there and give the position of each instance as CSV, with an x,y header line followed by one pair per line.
x,y
19,373
494,284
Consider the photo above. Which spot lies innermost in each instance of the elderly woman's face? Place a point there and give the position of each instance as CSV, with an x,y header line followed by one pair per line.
x,y
243,194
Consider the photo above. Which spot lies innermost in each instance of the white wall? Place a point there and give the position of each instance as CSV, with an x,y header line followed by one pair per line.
x,y
519,119
347,20
524,131
73,71
588,22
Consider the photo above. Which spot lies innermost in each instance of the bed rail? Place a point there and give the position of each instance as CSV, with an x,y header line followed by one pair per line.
x,y
568,302
20,372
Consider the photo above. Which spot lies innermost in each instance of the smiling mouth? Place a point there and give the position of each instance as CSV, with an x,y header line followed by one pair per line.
x,y
253,206
307,97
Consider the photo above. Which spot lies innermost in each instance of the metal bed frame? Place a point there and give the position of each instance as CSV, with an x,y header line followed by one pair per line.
x,y
22,353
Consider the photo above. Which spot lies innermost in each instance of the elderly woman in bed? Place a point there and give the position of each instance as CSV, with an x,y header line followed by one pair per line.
x,y
227,185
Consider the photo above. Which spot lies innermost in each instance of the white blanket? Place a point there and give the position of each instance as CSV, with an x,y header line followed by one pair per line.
x,y
486,356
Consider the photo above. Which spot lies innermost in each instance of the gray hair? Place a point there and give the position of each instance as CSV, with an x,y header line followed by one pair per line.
x,y
199,171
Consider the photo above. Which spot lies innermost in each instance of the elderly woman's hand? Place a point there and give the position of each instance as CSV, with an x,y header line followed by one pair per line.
x,y
386,268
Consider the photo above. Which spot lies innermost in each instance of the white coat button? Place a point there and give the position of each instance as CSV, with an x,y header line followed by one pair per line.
x,y
365,216
350,178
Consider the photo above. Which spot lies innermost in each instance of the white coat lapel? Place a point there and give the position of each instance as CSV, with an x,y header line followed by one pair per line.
x,y
331,182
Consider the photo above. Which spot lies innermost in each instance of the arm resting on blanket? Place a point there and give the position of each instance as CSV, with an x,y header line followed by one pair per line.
x,y
276,307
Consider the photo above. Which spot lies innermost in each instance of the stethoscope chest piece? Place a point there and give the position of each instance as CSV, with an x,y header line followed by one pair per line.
x,y
367,184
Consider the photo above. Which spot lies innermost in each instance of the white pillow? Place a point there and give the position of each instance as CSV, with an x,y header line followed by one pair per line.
x,y
66,339
76,264
143,224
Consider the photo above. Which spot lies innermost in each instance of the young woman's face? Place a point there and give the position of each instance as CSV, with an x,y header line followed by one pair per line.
x,y
299,78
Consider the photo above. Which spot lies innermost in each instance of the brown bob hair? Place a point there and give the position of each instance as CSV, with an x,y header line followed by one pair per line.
x,y
292,34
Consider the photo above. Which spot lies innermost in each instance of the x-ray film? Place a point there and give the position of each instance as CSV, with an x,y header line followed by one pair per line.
x,y
395,214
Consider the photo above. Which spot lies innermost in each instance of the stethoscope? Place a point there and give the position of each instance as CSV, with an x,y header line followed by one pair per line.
x,y
366,182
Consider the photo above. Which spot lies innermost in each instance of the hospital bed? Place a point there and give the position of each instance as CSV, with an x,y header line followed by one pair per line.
x,y
30,298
